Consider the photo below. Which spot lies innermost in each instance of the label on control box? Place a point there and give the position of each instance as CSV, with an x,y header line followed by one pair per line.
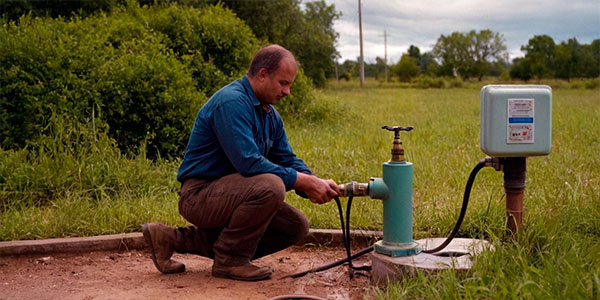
x,y
519,123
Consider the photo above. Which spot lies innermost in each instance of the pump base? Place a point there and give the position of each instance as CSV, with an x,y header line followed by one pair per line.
x,y
398,249
457,256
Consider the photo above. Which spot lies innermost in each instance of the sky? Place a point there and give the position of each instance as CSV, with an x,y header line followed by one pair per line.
x,y
421,22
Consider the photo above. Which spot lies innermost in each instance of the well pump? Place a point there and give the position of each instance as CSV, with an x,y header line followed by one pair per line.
x,y
516,122
395,189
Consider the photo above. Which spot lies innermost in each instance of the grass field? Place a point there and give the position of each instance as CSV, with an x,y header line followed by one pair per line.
x,y
48,194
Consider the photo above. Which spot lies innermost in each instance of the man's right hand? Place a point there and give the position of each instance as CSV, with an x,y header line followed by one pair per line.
x,y
318,190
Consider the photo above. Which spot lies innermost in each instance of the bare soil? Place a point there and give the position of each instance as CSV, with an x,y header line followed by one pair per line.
x,y
131,275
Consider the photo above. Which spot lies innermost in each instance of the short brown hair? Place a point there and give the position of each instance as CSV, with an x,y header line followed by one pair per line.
x,y
269,58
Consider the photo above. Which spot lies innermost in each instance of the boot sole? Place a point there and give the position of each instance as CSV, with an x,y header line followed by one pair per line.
x,y
148,239
229,276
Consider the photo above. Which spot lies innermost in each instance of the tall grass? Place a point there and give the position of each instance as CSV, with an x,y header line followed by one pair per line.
x,y
77,184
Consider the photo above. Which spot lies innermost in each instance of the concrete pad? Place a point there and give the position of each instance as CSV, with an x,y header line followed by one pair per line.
x,y
457,255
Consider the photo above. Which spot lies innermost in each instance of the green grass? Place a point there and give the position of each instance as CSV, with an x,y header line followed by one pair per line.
x,y
82,188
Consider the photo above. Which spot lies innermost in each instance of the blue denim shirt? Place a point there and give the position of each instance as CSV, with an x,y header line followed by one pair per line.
x,y
233,133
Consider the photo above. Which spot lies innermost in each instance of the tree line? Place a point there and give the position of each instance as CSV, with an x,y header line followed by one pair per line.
x,y
477,54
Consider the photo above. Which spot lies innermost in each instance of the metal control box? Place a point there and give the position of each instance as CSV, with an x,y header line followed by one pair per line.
x,y
516,120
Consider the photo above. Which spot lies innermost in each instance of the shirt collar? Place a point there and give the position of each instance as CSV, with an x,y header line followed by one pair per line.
x,y
250,92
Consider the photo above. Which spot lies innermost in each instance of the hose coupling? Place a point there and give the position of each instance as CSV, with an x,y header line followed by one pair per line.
x,y
353,188
493,162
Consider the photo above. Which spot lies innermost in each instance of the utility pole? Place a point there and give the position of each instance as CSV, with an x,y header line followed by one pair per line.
x,y
362,61
385,35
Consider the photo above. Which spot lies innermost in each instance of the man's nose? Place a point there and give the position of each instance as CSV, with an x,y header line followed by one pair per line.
x,y
286,91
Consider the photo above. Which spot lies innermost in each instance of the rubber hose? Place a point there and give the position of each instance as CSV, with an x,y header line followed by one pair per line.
x,y
463,208
346,241
331,265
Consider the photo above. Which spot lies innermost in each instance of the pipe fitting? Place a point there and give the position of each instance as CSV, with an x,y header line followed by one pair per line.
x,y
353,188
493,162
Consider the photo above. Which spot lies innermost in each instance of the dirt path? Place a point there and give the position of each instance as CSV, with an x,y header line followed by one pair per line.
x,y
131,275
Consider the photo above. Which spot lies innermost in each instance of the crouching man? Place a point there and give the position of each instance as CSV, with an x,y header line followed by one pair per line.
x,y
237,168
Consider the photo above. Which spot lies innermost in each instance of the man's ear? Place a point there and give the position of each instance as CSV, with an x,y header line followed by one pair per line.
x,y
262,73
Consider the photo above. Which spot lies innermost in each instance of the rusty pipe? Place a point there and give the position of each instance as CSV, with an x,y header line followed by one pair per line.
x,y
514,185
514,209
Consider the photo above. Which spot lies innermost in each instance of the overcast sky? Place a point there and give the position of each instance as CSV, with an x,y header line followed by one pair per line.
x,y
421,22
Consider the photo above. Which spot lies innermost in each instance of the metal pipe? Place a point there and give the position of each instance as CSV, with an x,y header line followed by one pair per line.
x,y
514,185
514,209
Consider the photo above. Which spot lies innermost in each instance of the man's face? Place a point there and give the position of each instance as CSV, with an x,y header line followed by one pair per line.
x,y
276,85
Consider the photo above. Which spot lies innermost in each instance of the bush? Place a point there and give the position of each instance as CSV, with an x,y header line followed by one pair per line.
x,y
215,45
111,69
456,82
46,69
140,73
591,84
148,98
425,82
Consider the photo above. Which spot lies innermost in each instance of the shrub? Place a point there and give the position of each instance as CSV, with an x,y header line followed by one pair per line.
x,y
215,45
140,73
591,84
456,82
46,68
148,98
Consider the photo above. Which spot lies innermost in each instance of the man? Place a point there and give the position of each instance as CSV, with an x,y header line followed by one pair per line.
x,y
237,167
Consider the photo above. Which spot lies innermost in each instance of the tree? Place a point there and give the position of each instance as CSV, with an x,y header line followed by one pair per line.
x,y
407,68
428,64
413,51
590,67
487,48
521,69
539,53
469,54
309,34
568,59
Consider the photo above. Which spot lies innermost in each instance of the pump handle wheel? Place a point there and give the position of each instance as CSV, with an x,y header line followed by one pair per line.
x,y
397,128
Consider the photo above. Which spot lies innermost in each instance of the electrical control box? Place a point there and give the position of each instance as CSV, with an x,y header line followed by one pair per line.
x,y
516,120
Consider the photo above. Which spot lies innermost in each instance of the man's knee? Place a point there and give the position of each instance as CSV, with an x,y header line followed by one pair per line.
x,y
272,188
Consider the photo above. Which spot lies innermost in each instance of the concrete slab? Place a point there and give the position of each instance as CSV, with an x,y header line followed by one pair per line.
x,y
457,255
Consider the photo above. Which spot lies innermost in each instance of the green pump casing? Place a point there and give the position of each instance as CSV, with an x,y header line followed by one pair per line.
x,y
395,189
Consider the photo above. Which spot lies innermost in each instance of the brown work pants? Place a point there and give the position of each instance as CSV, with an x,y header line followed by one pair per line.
x,y
237,219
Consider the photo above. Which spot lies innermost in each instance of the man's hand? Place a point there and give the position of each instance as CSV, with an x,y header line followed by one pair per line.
x,y
318,190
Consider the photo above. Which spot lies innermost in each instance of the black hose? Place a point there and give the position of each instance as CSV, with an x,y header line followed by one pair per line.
x,y
346,240
331,265
351,267
463,208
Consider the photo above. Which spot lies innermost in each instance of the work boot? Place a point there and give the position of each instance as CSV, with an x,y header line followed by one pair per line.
x,y
161,239
247,272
